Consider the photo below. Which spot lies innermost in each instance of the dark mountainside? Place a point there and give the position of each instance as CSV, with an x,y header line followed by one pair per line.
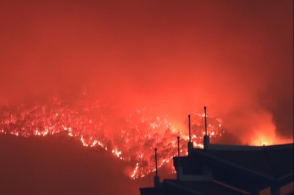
x,y
59,165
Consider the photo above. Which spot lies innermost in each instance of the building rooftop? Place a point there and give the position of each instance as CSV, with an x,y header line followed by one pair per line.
x,y
189,187
275,162
203,187
243,166
227,169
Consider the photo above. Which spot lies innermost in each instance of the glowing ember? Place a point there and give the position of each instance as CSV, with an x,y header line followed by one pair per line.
x,y
129,136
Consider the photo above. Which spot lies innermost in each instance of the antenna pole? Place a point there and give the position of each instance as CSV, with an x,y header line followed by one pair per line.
x,y
189,119
205,120
156,178
206,136
156,173
179,149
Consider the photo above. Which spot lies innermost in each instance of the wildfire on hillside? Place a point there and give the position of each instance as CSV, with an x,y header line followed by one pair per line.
x,y
129,136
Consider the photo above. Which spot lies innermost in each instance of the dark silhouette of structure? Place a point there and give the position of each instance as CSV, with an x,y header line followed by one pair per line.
x,y
227,169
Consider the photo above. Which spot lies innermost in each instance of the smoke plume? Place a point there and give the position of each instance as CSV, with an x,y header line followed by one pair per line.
x,y
234,57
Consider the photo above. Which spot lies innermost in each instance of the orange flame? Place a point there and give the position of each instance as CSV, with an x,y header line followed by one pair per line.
x,y
129,136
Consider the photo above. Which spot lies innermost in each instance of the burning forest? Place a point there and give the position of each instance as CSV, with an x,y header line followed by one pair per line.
x,y
124,75
130,136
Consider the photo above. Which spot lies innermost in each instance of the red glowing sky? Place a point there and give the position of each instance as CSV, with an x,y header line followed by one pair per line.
x,y
235,57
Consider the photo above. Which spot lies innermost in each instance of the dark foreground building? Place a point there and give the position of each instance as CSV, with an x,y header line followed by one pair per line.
x,y
228,170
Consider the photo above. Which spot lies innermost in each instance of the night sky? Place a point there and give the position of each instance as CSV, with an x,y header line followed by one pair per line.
x,y
235,57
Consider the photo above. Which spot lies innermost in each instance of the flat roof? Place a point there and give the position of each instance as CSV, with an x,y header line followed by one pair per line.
x,y
272,161
203,187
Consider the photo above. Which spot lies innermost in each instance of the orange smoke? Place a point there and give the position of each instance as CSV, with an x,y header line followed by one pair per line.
x,y
235,57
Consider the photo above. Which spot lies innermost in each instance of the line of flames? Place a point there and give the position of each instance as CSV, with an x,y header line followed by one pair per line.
x,y
129,137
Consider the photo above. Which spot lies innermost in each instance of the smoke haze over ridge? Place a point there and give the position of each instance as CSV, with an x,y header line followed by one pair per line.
x,y
234,57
